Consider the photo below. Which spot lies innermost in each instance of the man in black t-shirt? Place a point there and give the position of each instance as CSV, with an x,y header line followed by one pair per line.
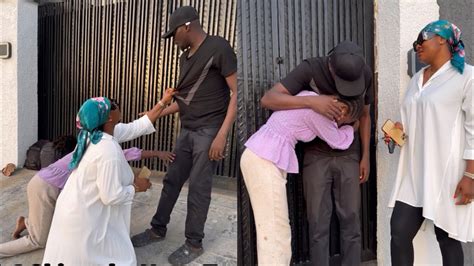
x,y
343,73
206,100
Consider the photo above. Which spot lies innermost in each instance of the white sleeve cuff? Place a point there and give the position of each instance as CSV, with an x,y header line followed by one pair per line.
x,y
468,154
130,193
147,124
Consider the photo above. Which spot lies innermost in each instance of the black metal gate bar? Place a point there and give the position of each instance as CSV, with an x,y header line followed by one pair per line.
x,y
114,48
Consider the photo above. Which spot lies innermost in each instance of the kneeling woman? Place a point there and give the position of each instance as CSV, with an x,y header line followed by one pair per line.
x,y
91,223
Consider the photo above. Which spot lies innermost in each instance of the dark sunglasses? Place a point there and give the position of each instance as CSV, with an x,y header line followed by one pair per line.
x,y
422,37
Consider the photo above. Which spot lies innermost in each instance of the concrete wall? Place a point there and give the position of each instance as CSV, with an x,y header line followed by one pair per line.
x,y
8,83
460,12
18,82
397,26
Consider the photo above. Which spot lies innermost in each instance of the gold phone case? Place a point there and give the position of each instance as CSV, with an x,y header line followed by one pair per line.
x,y
395,133
144,173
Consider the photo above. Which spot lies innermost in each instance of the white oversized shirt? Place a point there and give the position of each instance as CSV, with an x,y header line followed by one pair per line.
x,y
91,223
439,122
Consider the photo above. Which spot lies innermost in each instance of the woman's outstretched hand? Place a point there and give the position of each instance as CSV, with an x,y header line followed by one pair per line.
x,y
168,95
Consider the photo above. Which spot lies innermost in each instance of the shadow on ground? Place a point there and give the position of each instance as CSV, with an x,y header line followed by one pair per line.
x,y
220,242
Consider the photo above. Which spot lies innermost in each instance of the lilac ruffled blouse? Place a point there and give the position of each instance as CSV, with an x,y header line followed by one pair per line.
x,y
275,141
56,174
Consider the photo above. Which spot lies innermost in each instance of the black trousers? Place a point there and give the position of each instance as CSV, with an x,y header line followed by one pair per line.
x,y
192,162
405,222
322,174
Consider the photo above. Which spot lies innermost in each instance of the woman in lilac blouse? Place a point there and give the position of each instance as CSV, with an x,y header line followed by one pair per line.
x,y
270,155
43,190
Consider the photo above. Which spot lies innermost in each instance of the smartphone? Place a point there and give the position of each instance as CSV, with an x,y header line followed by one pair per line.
x,y
144,173
393,132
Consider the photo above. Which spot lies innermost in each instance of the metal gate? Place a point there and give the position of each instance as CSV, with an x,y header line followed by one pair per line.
x,y
113,48
273,37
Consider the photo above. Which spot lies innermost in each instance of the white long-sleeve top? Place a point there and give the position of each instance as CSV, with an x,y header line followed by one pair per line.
x,y
139,127
438,118
91,223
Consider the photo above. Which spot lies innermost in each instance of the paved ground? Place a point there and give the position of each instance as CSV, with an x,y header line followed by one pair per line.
x,y
220,242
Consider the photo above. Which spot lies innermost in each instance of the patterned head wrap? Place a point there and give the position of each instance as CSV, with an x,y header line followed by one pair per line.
x,y
452,34
93,113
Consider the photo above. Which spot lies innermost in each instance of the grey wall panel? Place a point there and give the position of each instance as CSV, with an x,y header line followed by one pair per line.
x,y
460,12
114,48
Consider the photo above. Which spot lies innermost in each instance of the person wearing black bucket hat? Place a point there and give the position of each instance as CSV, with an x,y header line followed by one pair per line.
x,y
206,100
180,17
342,73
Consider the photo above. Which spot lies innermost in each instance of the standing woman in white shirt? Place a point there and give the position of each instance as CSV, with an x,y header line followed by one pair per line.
x,y
91,223
436,167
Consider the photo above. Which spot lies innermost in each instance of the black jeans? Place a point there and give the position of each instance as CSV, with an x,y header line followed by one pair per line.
x,y
405,222
322,174
192,162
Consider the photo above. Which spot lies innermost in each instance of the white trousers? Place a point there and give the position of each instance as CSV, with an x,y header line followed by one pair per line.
x,y
266,185
41,202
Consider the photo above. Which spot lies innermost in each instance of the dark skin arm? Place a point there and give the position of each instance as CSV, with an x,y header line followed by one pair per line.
x,y
364,129
157,110
171,109
165,156
216,152
279,98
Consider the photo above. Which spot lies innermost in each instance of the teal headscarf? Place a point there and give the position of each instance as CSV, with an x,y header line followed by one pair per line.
x,y
92,114
452,34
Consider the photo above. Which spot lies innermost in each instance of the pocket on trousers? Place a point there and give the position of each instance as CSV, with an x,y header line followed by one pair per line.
x,y
353,157
310,159
208,132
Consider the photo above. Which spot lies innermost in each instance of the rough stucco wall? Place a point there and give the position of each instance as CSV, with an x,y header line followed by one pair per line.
x,y
27,76
18,83
387,48
8,84
397,25
460,12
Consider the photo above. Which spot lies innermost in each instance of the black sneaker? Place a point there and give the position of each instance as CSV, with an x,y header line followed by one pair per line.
x,y
145,238
185,254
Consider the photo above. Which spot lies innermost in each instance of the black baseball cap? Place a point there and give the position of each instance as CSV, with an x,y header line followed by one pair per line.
x,y
180,17
348,63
